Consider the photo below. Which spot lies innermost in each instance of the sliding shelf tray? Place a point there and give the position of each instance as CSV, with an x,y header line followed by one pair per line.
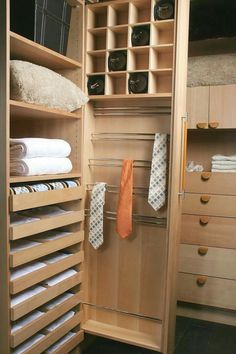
x,y
49,316
71,343
25,49
50,293
23,179
54,336
49,270
45,248
37,199
45,224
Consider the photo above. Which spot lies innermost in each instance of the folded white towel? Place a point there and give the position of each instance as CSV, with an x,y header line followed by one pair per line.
x,y
224,167
29,343
40,166
219,157
60,342
38,147
224,163
226,171
26,320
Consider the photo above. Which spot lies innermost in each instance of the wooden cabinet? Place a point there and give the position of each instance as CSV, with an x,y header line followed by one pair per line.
x,y
126,289
211,107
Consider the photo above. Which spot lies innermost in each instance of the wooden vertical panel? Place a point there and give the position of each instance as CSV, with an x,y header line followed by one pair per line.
x,y
175,202
198,106
4,176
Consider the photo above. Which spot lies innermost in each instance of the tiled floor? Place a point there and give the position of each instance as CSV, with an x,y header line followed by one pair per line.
x,y
192,337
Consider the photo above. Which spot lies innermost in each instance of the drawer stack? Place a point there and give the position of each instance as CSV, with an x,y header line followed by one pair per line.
x,y
207,267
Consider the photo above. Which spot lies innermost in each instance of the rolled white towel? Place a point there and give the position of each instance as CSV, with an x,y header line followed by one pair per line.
x,y
38,147
40,166
219,157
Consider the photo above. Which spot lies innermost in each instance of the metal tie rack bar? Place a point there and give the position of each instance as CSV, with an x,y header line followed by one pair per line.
x,y
141,191
132,111
123,136
108,162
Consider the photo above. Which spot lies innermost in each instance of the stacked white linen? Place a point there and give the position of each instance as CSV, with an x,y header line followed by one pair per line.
x,y
39,156
222,163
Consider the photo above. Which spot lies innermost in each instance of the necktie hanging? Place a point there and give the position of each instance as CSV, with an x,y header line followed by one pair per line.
x,y
96,214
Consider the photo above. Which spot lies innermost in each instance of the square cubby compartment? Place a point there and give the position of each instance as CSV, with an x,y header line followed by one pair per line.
x,y
116,84
138,58
117,60
162,32
96,62
117,37
138,82
97,39
160,82
96,85
161,57
139,36
97,17
140,11
118,14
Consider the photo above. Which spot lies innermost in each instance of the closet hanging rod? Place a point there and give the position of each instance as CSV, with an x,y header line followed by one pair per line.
x,y
123,136
108,162
142,191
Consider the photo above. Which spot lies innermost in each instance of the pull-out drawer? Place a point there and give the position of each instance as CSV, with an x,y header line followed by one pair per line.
x,y
204,204
207,291
49,316
212,261
211,183
208,231
38,199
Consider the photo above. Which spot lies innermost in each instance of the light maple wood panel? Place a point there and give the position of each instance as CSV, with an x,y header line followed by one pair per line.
x,y
216,262
210,183
218,205
223,105
35,326
50,270
37,199
50,293
47,223
71,343
198,106
43,249
215,292
208,231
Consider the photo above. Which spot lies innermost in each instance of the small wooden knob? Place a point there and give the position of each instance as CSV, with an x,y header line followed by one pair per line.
x,y
202,125
204,220
205,176
213,125
201,280
202,251
205,199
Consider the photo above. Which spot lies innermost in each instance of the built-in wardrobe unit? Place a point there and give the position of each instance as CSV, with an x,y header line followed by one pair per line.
x,y
125,290
207,275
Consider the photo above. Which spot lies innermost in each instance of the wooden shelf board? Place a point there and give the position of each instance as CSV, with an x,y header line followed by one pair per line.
x,y
119,28
163,47
146,23
139,49
163,72
97,30
25,49
27,110
130,96
75,2
124,335
164,25
23,179
97,53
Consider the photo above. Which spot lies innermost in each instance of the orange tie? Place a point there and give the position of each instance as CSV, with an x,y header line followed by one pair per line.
x,y
124,210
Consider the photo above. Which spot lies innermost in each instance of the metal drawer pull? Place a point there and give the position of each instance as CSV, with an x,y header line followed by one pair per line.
x,y
213,125
205,176
204,220
201,280
201,125
202,251
205,199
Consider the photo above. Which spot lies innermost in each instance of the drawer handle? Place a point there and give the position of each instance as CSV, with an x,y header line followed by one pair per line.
x,y
213,125
204,220
201,280
205,176
205,199
202,251
201,125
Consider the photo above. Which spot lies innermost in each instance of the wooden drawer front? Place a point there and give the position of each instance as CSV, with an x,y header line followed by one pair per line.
x,y
50,293
37,199
35,326
215,292
30,254
50,270
216,205
215,262
55,335
45,224
71,343
210,183
208,231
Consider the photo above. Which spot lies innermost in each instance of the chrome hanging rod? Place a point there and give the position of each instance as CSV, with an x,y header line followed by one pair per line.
x,y
137,218
132,111
123,136
108,162
141,191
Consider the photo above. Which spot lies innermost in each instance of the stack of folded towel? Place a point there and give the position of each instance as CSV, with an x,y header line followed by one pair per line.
x,y
221,163
38,156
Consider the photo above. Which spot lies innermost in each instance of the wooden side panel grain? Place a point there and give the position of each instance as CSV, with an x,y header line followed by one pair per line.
x,y
198,106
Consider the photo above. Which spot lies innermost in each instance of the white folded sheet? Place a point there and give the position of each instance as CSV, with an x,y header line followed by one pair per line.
x,y
29,343
25,295
219,157
59,343
60,321
60,277
38,147
59,300
229,166
26,269
226,171
40,166
26,320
